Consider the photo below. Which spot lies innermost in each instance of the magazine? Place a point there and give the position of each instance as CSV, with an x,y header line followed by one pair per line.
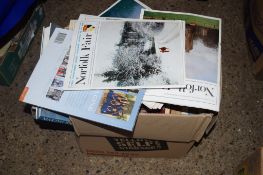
x,y
125,9
118,108
126,54
202,59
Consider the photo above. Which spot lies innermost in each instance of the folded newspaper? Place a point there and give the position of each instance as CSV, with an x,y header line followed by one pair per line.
x,y
126,54
118,108
202,62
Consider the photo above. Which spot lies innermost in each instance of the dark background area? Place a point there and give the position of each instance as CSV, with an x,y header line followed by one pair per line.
x,y
27,149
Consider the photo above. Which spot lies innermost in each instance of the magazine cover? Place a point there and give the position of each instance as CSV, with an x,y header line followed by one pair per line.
x,y
202,62
44,89
126,54
125,9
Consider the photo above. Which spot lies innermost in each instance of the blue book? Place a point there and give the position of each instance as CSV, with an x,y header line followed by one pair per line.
x,y
51,116
121,9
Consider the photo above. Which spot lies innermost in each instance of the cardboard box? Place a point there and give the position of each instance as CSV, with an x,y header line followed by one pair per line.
x,y
155,135
253,165
15,54
254,34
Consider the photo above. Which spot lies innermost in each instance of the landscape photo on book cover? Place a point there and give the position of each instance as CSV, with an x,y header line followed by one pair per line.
x,y
139,53
202,36
117,104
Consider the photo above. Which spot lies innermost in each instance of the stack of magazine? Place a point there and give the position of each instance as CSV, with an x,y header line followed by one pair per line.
x,y
128,60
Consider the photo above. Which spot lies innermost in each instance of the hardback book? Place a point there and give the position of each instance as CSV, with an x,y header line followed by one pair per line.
x,y
117,108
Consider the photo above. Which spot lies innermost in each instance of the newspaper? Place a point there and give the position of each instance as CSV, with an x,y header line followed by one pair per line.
x,y
118,108
126,54
203,62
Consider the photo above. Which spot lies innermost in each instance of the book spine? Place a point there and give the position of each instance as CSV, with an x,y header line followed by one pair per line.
x,y
53,120
50,116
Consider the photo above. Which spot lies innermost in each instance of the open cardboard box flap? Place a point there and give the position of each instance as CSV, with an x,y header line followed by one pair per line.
x,y
168,127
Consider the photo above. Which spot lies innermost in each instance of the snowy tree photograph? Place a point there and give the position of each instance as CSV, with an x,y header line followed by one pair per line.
x,y
139,54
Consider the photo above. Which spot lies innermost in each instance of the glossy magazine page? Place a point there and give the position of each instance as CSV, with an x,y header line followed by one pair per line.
x,y
202,62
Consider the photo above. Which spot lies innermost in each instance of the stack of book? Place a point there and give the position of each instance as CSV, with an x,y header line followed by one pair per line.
x,y
129,59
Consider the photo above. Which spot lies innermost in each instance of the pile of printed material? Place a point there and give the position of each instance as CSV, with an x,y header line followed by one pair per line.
x,y
128,60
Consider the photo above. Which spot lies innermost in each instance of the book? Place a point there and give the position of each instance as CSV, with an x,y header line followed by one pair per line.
x,y
202,59
126,54
51,116
47,119
117,108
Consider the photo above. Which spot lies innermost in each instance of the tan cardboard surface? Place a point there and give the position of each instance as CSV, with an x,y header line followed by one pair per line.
x,y
152,126
100,145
